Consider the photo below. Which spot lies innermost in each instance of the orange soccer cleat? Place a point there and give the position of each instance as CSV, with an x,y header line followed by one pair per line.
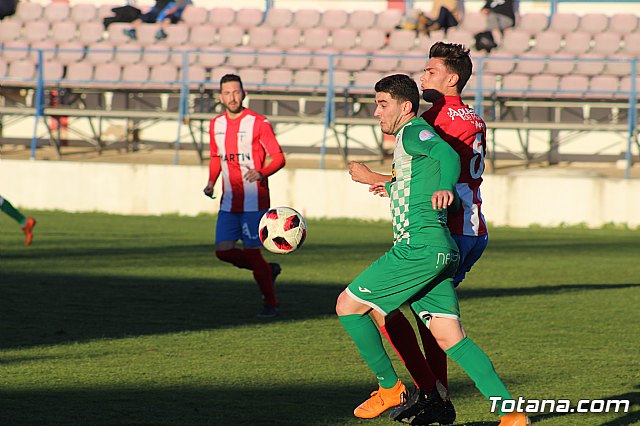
x,y
381,400
515,419
28,230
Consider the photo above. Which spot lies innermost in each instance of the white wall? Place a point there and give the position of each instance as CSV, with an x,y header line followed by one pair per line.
x,y
516,200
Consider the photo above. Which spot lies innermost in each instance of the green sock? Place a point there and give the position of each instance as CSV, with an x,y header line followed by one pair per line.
x,y
479,367
13,213
367,338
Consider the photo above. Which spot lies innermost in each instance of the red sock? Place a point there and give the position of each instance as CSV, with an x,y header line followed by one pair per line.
x,y
400,334
436,357
262,274
235,256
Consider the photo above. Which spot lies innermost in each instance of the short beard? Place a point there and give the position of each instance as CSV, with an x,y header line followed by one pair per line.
x,y
431,95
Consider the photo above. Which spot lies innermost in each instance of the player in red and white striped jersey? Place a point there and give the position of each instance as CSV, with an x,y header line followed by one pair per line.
x,y
240,142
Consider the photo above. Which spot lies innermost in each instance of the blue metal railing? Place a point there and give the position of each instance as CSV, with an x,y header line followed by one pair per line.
x,y
330,87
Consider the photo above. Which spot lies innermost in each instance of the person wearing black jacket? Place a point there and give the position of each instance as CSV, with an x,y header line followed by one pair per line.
x,y
501,14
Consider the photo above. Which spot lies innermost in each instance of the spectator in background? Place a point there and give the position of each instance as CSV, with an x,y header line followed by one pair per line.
x,y
7,8
127,13
501,14
164,12
444,15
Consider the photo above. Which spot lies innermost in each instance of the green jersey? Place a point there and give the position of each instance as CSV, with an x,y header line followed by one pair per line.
x,y
423,163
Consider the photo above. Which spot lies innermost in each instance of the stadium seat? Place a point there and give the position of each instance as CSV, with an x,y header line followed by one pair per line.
x,y
270,57
388,19
623,23
56,12
248,18
544,86
279,18
70,52
260,37
90,32
334,18
135,74
230,36
128,54
52,71
365,81
413,62
309,79
107,73
594,23
515,42
298,58
217,73
240,57
147,34
105,10
606,44
532,23
156,55
603,83
63,31
278,79
530,64
589,64
192,54
361,19
196,77
3,67
474,22
576,43
210,58
195,15
11,30
564,23
343,38
221,17
163,74
252,78
341,80
28,11
36,30
459,36
287,38
321,59
560,64
514,85
619,65
84,12
15,50
23,69
81,72
576,85
548,42
402,40
203,35
306,18
384,61
100,53
372,39
116,33
315,38
352,60
495,65
48,48
632,44
488,85
625,84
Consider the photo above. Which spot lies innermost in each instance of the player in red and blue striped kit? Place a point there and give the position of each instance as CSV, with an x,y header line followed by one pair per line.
x,y
240,141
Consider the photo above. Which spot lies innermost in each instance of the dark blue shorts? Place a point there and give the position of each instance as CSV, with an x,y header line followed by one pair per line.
x,y
471,248
239,226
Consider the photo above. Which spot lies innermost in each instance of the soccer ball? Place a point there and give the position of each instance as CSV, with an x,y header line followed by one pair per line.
x,y
282,230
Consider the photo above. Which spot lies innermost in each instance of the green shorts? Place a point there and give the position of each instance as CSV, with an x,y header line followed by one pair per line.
x,y
422,276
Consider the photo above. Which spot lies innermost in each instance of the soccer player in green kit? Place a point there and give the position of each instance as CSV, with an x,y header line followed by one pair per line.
x,y
420,267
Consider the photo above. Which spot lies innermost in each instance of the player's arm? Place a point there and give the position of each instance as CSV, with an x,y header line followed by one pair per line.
x,y
363,174
214,163
269,141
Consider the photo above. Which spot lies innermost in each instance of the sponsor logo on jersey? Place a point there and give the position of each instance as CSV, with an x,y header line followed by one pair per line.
x,y
393,172
425,135
364,290
466,114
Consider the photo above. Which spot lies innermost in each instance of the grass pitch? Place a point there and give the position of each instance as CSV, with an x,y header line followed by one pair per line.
x,y
115,320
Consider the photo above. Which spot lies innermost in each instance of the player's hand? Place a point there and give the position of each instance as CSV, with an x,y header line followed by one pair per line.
x,y
379,189
359,172
253,175
208,190
441,199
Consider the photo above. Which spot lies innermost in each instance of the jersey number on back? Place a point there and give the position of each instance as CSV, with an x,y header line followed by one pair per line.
x,y
476,165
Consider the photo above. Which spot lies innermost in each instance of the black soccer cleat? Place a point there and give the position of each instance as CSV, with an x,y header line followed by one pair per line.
x,y
275,271
448,416
421,409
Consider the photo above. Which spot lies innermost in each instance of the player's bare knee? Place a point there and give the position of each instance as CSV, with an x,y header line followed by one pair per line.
x,y
447,331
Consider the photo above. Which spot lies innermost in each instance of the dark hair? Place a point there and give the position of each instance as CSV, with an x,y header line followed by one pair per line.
x,y
402,88
456,59
231,77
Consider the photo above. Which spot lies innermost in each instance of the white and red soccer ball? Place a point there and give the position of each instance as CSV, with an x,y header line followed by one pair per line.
x,y
282,230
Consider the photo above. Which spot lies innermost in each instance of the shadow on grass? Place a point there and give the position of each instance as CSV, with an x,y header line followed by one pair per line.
x,y
312,405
